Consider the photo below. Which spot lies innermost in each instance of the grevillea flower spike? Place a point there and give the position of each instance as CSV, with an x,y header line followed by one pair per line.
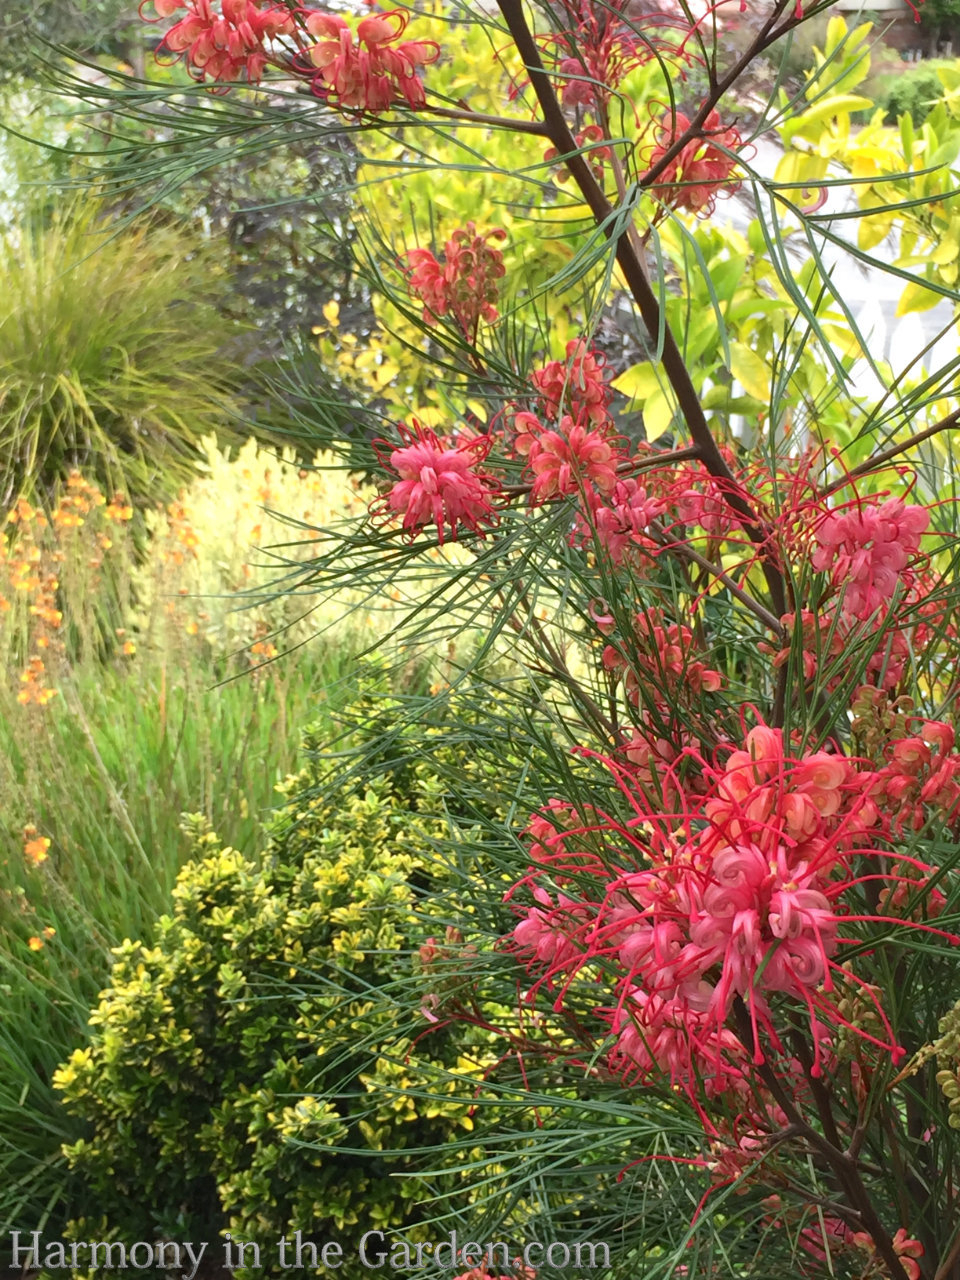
x,y
739,896
439,482
372,69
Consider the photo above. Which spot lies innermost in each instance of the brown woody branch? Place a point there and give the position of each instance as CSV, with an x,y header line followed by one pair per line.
x,y
647,303
949,423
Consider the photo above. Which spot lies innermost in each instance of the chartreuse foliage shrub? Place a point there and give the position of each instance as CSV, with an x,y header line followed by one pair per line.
x,y
248,1070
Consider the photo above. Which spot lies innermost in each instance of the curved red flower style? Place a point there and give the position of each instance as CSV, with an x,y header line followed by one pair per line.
x,y
740,895
572,459
439,483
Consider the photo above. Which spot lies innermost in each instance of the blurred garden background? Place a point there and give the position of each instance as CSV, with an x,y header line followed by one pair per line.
x,y
193,364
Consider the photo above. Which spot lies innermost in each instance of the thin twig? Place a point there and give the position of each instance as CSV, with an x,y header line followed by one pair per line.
x,y
948,423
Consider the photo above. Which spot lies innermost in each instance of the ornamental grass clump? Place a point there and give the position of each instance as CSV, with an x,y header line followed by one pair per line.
x,y
113,357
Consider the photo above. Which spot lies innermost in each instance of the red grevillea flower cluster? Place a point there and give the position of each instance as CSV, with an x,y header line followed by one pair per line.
x,y
578,384
700,171
866,546
465,285
226,43
737,899
439,483
661,653
372,69
599,45
570,459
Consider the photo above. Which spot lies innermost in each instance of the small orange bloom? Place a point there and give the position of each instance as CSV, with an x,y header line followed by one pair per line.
x,y
35,943
118,509
35,848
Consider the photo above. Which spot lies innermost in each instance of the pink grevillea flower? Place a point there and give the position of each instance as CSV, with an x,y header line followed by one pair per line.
x,y
658,655
619,520
577,384
439,483
700,171
866,547
699,920
373,69
673,1038
596,48
920,780
465,285
906,1249
571,459
228,42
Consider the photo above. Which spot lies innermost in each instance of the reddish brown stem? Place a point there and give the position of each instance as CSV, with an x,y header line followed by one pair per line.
x,y
646,299
949,423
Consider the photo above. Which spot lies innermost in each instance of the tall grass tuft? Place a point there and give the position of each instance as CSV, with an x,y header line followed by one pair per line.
x,y
110,360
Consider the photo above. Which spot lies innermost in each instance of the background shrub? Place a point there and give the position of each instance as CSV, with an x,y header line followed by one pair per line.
x,y
249,1070
914,92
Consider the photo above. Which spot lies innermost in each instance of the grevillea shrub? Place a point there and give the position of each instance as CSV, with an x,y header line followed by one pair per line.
x,y
719,532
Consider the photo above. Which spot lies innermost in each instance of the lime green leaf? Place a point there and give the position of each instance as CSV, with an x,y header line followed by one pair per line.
x,y
750,370
874,230
638,382
916,298
657,415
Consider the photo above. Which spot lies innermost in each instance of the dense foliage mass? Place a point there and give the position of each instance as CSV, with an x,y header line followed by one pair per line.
x,y
713,531
224,1089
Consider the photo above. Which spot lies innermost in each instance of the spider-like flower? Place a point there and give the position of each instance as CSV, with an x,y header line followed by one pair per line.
x,y
578,384
226,43
867,547
465,285
700,917
700,171
439,483
372,69
599,44
565,461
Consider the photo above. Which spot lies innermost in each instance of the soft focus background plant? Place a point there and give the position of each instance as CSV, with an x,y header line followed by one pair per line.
x,y
112,357
114,720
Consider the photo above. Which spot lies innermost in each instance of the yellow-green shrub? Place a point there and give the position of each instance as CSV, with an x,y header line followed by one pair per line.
x,y
248,1069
